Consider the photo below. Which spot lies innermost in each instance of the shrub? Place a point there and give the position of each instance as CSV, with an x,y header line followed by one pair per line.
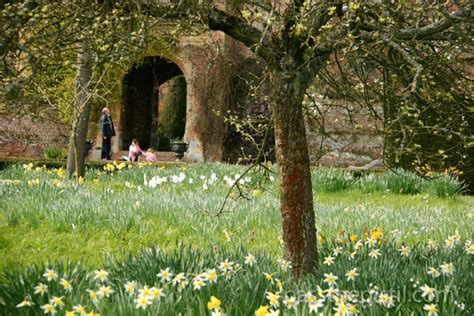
x,y
54,153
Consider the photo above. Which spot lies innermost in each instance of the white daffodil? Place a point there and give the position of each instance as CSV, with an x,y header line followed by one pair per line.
x,y
434,272
404,251
273,298
352,274
66,285
431,309
330,278
101,275
105,291
211,276
41,289
375,253
25,303
156,292
142,302
428,292
328,260
165,275
250,260
290,302
130,287
386,300
50,275
447,268
49,309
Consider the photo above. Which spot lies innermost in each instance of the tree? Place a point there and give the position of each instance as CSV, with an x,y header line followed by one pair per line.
x,y
297,39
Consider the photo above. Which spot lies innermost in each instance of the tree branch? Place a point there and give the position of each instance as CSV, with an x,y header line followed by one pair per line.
x,y
239,29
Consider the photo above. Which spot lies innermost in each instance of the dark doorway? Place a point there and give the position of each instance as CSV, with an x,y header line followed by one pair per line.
x,y
144,89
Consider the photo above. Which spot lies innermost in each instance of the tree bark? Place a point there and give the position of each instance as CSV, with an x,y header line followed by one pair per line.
x,y
296,197
82,104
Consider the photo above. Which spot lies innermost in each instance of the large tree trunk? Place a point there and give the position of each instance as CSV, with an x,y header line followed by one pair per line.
x,y
82,104
296,198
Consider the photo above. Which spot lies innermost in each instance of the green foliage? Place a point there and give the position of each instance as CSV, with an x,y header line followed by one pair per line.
x,y
444,186
55,153
332,180
173,117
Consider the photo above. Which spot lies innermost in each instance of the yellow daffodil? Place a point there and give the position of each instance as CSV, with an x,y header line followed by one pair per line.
x,y
214,303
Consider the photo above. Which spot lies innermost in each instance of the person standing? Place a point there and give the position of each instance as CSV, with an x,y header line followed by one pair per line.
x,y
107,131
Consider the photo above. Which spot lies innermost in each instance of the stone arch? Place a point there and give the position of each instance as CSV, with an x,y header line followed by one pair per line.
x,y
142,89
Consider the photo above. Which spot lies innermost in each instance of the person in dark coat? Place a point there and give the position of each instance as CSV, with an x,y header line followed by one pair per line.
x,y
107,131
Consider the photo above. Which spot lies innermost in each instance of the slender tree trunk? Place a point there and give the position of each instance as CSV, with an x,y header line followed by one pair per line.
x,y
82,104
296,198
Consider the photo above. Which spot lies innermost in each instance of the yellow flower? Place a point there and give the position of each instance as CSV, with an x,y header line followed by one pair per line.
x,y
268,276
262,311
95,181
377,233
273,298
353,237
70,313
214,303
80,180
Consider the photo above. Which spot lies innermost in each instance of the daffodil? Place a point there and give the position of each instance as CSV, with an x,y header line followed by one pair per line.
x,y
165,275
352,274
144,292
469,247
105,291
262,311
291,302
268,276
328,260
431,309
48,309
353,238
130,287
101,275
92,295
309,298
314,307
198,283
447,268
428,292
50,275
25,303
284,264
142,302
41,289
214,303
57,301
375,253
431,244
386,300
79,309
226,266
211,275
250,260
434,272
180,277
273,298
330,278
404,251
156,292
66,285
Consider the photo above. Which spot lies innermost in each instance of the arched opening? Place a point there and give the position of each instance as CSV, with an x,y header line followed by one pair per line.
x,y
154,104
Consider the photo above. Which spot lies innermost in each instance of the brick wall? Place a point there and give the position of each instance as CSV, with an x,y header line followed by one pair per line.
x,y
24,137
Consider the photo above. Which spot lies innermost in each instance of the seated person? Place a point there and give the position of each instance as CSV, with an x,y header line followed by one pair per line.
x,y
134,150
149,155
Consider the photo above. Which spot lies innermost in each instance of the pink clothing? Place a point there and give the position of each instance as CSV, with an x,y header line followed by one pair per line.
x,y
134,150
149,157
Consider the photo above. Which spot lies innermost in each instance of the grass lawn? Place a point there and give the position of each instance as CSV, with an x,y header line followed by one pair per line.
x,y
112,218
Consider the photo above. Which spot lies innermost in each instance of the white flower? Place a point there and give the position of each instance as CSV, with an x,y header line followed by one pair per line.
x,y
50,274
386,300
142,302
434,272
48,308
105,291
101,275
352,274
431,309
66,285
449,242
291,302
180,277
79,309
447,268
309,298
469,247
284,264
130,287
431,244
328,260
156,293
330,278
57,301
41,289
165,275
25,303
314,307
404,251
375,253
250,260
211,275
198,283
144,292
226,265
371,242
428,292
